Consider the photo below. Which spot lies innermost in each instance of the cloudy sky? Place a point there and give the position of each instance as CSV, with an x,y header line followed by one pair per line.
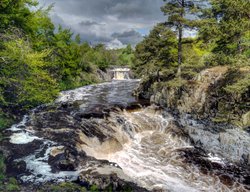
x,y
115,23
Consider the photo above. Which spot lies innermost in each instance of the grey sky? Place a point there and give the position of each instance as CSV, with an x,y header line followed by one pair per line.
x,y
113,22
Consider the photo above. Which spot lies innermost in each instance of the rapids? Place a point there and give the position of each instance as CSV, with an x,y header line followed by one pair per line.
x,y
144,145
153,156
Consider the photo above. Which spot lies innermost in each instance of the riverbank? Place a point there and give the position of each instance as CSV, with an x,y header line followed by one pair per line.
x,y
205,97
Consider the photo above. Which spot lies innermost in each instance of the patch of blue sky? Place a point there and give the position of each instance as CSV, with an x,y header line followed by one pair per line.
x,y
143,31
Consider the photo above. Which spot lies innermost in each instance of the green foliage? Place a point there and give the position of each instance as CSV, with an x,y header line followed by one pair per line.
x,y
180,15
194,55
12,185
177,12
223,39
176,83
242,85
94,188
24,80
68,64
215,59
63,187
5,122
125,56
226,22
102,56
15,13
156,51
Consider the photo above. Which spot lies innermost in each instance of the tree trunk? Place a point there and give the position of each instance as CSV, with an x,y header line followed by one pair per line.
x,y
180,36
180,50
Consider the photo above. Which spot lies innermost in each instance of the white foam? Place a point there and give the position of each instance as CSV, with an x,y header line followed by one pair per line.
x,y
22,138
215,159
41,170
17,127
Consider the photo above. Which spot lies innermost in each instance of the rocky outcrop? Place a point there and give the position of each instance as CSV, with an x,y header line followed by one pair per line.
x,y
204,97
207,113
103,76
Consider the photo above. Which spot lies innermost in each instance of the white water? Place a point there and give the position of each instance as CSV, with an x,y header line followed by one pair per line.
x,y
20,135
109,92
23,134
151,157
22,138
121,73
153,161
42,171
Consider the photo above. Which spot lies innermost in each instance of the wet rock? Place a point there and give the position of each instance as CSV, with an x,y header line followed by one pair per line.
x,y
64,159
57,151
226,180
66,165
228,173
84,124
21,150
108,178
16,167
247,180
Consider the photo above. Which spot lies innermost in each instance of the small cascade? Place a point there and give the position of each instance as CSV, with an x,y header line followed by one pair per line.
x,y
121,73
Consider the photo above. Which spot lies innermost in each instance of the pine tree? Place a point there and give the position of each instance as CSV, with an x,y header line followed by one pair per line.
x,y
179,13
156,51
227,24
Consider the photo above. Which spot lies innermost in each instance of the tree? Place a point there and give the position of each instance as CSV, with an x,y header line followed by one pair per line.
x,y
15,13
227,24
178,13
128,50
157,51
24,80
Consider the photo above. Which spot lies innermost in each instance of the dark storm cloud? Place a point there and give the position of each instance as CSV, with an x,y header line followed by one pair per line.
x,y
99,21
89,23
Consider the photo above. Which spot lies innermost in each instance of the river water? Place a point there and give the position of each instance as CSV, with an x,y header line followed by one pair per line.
x,y
152,145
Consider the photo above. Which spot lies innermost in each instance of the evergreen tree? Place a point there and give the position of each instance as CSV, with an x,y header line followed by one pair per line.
x,y
15,13
156,51
178,13
226,24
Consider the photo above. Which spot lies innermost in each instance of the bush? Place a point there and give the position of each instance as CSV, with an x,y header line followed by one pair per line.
x,y
12,185
241,86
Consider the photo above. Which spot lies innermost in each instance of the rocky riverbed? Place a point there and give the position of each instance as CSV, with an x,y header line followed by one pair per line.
x,y
101,135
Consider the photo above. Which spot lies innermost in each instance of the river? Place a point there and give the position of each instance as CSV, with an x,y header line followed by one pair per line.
x,y
106,122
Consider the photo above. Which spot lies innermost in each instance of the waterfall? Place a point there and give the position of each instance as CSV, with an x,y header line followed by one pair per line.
x,y
121,73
